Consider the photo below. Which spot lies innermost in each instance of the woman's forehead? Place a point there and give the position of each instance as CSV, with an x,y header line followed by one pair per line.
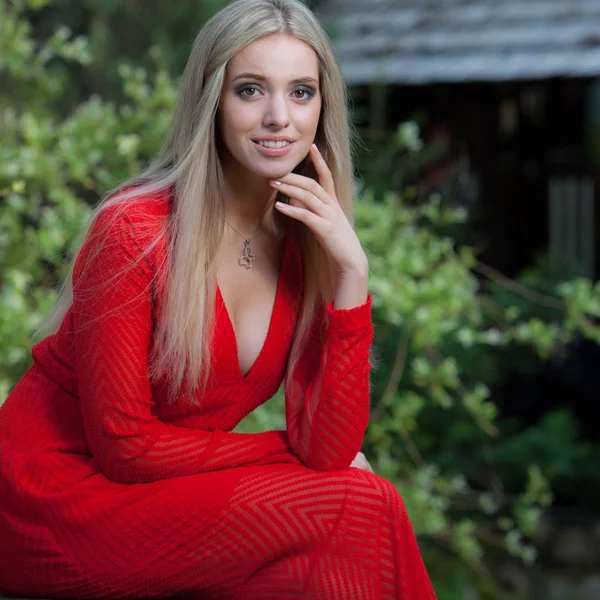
x,y
275,57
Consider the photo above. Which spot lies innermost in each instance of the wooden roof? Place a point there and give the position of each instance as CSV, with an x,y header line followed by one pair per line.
x,y
426,41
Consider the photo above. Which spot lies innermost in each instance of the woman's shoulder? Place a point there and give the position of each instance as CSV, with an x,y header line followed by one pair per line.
x,y
125,228
126,231
138,215
137,205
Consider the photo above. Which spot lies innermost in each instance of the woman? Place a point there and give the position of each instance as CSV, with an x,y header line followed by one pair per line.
x,y
229,266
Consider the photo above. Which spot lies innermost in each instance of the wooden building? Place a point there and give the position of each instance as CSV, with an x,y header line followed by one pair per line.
x,y
515,83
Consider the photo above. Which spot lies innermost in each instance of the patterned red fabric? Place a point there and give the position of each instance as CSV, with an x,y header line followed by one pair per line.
x,y
108,491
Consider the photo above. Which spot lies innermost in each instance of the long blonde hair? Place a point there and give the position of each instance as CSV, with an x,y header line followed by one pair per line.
x,y
188,164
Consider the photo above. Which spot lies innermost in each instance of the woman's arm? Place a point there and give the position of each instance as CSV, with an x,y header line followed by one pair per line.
x,y
113,325
327,399
327,403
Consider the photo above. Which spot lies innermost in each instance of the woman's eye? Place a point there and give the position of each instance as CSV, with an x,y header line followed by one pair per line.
x,y
252,91
303,93
248,92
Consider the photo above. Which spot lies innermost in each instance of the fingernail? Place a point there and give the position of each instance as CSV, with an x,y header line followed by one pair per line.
x,y
315,147
275,182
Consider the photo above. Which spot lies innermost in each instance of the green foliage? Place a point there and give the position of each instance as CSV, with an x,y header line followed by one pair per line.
x,y
470,482
473,486
52,168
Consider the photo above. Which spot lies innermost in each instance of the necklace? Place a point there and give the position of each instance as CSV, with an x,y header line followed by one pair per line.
x,y
248,256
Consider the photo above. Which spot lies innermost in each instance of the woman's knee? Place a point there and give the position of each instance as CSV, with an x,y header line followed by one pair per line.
x,y
376,487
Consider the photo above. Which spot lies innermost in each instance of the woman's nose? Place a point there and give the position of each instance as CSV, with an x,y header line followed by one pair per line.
x,y
277,114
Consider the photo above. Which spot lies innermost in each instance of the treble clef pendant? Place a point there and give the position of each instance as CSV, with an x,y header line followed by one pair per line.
x,y
248,257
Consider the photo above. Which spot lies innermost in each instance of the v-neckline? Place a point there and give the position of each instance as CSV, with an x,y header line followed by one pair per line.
x,y
274,308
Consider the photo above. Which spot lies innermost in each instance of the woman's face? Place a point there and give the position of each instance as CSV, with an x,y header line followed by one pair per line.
x,y
270,106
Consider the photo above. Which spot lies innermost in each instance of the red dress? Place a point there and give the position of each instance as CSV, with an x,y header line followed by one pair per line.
x,y
108,491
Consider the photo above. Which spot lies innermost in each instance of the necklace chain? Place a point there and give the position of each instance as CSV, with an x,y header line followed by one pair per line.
x,y
248,256
243,236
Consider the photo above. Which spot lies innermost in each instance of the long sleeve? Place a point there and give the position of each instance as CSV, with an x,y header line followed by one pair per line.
x,y
112,318
327,400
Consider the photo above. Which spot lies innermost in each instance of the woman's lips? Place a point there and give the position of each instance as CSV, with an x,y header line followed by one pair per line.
x,y
274,151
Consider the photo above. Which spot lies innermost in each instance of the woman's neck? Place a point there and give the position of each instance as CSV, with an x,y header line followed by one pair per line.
x,y
249,203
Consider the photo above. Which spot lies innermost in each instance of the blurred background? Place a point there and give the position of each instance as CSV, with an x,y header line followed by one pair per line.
x,y
478,163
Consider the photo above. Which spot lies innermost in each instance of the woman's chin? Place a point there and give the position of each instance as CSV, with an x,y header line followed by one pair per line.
x,y
273,172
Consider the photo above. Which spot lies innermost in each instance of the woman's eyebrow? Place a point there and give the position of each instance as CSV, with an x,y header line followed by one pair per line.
x,y
263,78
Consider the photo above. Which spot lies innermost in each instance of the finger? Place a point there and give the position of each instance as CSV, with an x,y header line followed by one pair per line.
x,y
310,219
308,184
363,465
308,199
323,171
359,461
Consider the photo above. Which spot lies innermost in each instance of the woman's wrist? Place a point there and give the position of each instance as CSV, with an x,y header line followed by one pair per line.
x,y
352,286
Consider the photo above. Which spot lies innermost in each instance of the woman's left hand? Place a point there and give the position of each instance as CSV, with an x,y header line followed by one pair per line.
x,y
316,205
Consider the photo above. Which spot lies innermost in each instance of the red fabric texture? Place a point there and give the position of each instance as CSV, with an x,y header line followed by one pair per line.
x,y
108,491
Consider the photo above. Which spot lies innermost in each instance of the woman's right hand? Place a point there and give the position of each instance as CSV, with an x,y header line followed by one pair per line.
x,y
360,462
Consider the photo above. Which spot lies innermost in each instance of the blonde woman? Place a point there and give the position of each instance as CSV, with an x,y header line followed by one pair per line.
x,y
228,267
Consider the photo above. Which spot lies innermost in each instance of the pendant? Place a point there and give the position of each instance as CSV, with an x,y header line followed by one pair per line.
x,y
247,258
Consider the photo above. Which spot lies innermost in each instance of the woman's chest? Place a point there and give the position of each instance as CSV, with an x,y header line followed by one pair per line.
x,y
249,300
254,325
